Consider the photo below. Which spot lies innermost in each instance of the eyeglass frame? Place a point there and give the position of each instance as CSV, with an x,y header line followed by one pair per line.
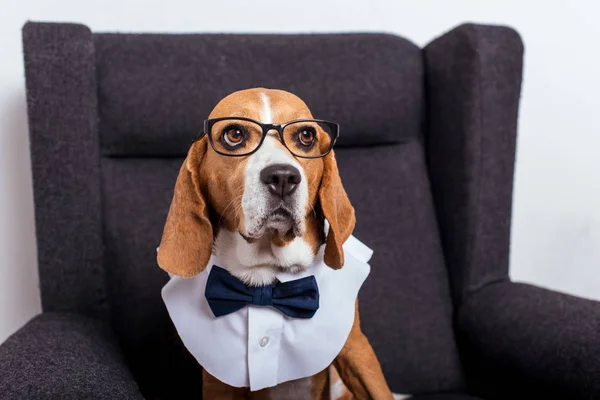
x,y
209,123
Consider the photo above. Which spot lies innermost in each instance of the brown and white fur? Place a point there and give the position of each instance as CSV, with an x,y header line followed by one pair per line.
x,y
220,205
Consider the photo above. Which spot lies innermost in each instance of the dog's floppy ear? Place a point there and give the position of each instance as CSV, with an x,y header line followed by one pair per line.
x,y
187,239
338,211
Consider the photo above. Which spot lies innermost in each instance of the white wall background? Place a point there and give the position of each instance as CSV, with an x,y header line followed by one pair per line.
x,y
556,224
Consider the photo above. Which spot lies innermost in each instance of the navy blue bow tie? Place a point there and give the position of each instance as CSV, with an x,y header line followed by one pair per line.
x,y
226,294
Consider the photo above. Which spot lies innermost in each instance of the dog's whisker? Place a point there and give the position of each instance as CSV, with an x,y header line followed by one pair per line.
x,y
232,202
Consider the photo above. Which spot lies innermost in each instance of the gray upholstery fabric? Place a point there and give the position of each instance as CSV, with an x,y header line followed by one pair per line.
x,y
137,194
64,356
522,342
426,155
473,79
406,299
155,90
62,108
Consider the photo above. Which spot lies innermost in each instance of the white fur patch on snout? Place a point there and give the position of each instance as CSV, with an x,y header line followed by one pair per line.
x,y
257,201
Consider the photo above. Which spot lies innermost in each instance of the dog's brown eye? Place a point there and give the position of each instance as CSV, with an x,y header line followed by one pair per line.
x,y
306,137
233,136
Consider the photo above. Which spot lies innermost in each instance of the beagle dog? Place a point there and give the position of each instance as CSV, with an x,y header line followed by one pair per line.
x,y
259,201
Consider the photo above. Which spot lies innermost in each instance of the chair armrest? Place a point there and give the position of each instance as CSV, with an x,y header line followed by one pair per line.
x,y
521,340
64,356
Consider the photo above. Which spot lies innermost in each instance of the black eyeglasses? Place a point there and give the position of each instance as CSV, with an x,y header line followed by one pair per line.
x,y
238,136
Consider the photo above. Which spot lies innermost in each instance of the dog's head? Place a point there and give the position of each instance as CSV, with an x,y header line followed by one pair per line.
x,y
266,193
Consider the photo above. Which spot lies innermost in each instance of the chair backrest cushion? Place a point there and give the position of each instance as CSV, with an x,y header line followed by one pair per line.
x,y
155,90
153,93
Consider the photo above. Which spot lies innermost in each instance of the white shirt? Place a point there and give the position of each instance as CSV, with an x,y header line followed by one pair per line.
x,y
259,347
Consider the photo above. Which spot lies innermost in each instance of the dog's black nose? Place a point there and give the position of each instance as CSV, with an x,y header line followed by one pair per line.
x,y
281,179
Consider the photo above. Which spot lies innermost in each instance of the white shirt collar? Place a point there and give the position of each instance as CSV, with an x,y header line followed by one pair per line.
x,y
259,347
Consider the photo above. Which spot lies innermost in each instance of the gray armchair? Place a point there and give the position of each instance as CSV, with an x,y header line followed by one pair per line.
x,y
426,154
